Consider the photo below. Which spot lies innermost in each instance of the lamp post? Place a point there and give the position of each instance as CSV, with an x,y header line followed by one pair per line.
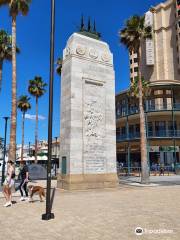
x,y
29,149
4,155
56,156
56,145
49,215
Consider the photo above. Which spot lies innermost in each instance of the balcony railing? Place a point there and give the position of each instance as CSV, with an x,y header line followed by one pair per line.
x,y
150,108
150,134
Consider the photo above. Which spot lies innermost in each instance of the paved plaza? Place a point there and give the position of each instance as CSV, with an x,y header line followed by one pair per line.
x,y
154,180
97,214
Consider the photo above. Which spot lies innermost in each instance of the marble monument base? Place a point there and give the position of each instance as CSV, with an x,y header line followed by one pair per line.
x,y
87,181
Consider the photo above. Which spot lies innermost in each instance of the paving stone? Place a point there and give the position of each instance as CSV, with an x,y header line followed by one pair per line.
x,y
96,215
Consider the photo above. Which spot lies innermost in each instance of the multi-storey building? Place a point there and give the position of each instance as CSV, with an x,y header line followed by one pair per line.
x,y
161,67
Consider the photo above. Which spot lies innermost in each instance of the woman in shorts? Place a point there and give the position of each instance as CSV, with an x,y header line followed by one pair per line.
x,y
9,183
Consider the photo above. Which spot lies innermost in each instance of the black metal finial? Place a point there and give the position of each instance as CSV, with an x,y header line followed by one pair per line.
x,y
82,23
89,24
89,31
94,29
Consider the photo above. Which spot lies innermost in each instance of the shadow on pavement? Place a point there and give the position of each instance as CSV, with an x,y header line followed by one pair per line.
x,y
156,180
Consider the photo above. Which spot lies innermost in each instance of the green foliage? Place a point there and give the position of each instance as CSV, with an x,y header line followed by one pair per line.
x,y
37,87
42,154
131,36
5,46
59,66
1,143
5,49
23,103
16,6
134,31
134,88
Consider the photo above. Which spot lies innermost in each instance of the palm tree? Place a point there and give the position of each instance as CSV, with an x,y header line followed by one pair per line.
x,y
15,7
59,66
24,105
5,50
133,36
37,89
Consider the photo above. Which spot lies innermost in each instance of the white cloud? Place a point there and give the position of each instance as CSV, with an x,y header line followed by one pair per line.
x,y
33,117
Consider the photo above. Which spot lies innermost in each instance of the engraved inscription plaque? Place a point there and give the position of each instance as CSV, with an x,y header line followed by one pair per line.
x,y
94,127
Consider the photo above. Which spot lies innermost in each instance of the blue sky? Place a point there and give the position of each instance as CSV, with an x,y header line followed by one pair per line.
x,y
33,40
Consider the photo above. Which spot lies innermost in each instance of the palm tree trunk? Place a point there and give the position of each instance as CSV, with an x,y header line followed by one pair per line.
x,y
22,146
12,146
36,131
1,66
143,139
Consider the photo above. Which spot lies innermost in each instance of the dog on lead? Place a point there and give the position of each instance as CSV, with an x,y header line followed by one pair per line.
x,y
36,190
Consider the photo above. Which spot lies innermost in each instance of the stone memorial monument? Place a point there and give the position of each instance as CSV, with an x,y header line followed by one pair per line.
x,y
88,130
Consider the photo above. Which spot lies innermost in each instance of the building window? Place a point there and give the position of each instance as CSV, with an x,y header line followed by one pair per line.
x,y
123,131
131,70
136,69
124,102
135,60
168,92
131,130
160,127
168,103
117,131
172,127
137,128
178,12
151,104
179,24
150,129
158,92
159,103
118,109
131,61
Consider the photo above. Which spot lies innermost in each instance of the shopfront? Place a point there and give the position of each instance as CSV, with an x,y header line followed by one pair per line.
x,y
166,155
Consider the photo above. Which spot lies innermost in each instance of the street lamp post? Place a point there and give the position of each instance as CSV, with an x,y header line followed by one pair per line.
x,y
56,145
49,215
56,156
4,155
29,149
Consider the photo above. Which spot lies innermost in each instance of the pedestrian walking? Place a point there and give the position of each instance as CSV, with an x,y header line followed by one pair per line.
x,y
24,175
161,170
8,184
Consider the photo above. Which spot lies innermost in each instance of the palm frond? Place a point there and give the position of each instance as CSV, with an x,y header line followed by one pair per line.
x,y
17,6
23,103
37,87
59,66
134,31
6,46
